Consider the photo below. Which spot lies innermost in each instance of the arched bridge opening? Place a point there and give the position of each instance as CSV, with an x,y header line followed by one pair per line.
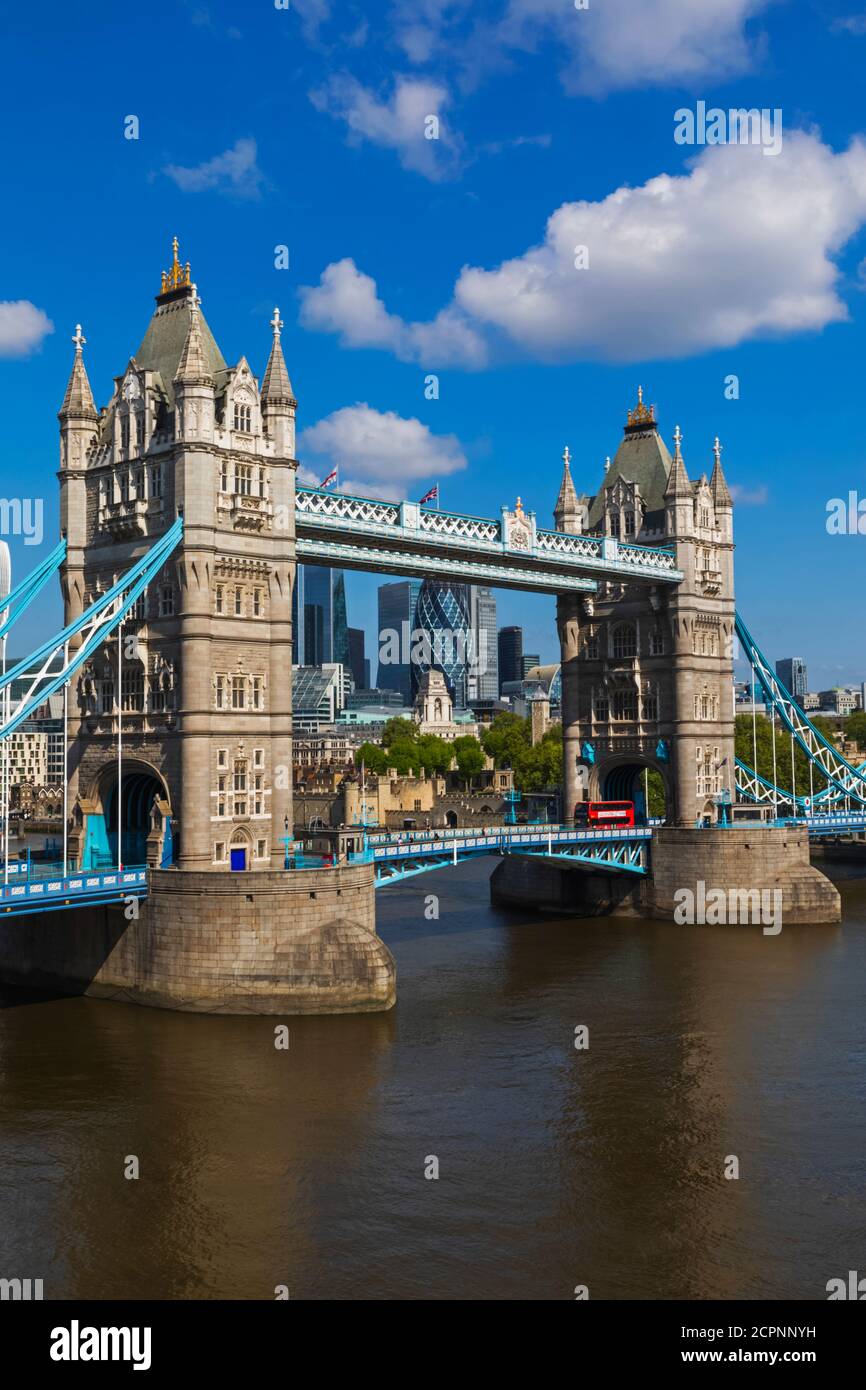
x,y
639,782
128,806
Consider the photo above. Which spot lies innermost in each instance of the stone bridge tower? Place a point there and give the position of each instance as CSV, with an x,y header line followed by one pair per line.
x,y
647,671
204,684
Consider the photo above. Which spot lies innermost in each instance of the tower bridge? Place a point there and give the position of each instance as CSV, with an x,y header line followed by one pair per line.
x,y
182,523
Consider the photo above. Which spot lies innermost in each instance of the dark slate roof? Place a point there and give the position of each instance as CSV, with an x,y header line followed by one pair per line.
x,y
641,458
163,343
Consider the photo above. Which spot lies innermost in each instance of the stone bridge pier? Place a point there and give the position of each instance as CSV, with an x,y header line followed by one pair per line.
x,y
742,862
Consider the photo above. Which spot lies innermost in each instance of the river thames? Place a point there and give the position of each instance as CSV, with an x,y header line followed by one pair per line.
x,y
558,1167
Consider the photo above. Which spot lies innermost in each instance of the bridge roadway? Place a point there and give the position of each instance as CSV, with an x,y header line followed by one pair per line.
x,y
39,887
404,538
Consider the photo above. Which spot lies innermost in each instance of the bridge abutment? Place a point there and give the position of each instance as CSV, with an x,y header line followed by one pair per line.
x,y
269,942
757,858
738,861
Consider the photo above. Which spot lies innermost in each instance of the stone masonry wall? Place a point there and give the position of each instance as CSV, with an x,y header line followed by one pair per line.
x,y
747,859
264,943
741,858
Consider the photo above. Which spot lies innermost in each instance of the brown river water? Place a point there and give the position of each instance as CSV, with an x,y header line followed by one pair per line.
x,y
557,1167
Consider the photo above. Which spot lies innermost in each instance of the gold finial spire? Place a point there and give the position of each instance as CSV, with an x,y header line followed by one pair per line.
x,y
641,415
178,277
518,509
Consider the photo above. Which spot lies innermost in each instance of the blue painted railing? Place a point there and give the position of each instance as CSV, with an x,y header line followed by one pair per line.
x,y
72,890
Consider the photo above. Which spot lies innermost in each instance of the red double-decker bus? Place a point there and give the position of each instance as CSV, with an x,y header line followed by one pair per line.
x,y
604,813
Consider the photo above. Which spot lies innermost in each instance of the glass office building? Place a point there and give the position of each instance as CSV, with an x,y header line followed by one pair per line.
x,y
320,632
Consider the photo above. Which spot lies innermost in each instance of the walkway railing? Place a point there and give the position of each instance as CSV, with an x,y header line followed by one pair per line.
x,y
72,890
338,525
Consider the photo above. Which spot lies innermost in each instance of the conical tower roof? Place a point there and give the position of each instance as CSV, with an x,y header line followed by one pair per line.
x,y
276,387
78,399
721,493
566,502
678,479
194,365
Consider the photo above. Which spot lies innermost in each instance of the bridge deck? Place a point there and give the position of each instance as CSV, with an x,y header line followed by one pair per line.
x,y
35,888
404,538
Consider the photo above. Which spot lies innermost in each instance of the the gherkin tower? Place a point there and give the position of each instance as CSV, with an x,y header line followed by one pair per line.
x,y
443,613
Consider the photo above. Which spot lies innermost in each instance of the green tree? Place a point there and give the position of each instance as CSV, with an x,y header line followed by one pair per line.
x,y
405,756
398,730
656,805
855,727
506,739
374,758
470,758
436,754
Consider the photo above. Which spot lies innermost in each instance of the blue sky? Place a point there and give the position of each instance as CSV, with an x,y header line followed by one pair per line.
x,y
260,127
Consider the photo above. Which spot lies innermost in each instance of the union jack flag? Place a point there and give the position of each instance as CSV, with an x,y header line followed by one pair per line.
x,y
431,496
331,478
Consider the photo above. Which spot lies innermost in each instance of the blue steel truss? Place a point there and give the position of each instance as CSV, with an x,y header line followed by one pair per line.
x,y
94,625
405,538
845,780
24,593
616,851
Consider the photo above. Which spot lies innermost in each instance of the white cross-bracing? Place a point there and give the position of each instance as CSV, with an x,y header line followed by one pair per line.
x,y
94,625
24,593
845,780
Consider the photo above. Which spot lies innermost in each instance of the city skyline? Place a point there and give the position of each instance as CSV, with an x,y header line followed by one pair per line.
x,y
233,192
433,769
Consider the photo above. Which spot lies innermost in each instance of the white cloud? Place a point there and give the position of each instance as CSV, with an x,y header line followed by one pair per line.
x,y
379,453
637,43
345,301
235,172
612,44
740,247
399,123
22,327
749,496
854,24
423,27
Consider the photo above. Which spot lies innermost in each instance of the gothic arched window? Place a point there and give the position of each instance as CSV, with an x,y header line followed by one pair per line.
x,y
625,640
243,418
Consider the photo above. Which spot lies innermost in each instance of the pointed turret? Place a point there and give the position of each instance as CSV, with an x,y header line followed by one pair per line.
x,y
566,509
278,398
678,478
194,382
78,402
193,367
78,425
276,386
718,484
